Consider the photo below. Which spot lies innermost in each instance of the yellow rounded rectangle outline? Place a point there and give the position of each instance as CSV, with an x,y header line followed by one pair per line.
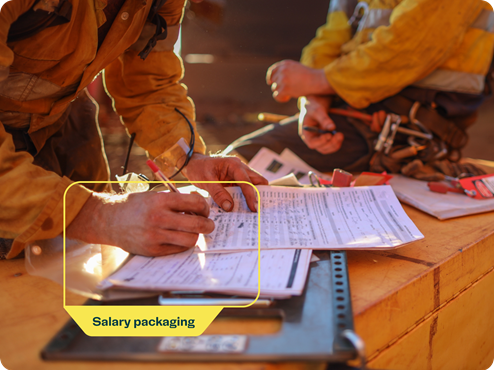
x,y
99,320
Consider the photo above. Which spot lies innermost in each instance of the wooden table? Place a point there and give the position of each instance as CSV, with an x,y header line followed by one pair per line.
x,y
428,305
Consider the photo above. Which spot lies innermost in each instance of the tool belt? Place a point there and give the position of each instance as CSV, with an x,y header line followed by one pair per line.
x,y
452,135
417,141
440,119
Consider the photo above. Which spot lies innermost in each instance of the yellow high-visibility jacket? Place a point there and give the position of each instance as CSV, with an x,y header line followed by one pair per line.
x,y
438,44
41,75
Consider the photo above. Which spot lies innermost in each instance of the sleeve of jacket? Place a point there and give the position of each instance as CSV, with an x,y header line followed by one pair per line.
x,y
31,198
146,92
9,12
326,46
422,34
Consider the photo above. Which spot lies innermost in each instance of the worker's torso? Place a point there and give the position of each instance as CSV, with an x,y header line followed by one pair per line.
x,y
52,66
462,71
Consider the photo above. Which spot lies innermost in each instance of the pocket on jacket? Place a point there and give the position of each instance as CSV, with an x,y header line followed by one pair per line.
x,y
25,87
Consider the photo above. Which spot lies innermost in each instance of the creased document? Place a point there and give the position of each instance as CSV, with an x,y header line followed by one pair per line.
x,y
283,272
313,218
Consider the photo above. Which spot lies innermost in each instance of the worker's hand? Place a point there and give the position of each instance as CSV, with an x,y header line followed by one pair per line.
x,y
206,168
148,224
290,79
313,112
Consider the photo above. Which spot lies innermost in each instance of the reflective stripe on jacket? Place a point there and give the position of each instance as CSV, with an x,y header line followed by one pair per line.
x,y
438,44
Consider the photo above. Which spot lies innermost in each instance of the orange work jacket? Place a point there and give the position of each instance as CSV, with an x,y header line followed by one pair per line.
x,y
42,74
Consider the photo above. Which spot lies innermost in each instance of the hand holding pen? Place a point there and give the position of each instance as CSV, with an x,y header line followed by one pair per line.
x,y
315,124
144,223
166,181
161,176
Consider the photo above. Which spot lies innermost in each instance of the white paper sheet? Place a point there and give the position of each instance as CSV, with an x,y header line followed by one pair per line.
x,y
443,206
314,218
283,272
273,166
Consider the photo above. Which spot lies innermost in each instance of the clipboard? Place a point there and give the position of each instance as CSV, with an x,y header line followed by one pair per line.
x,y
316,326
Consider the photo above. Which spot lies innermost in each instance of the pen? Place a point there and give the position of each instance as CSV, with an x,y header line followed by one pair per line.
x,y
318,130
160,175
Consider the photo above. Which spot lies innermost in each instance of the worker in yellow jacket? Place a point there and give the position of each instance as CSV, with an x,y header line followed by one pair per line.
x,y
50,50
426,58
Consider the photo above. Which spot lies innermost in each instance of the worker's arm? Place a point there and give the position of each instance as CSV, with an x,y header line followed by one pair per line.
x,y
397,56
421,37
32,199
290,79
148,224
155,224
146,94
326,46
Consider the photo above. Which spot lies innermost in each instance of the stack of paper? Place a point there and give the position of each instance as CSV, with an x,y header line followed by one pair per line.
x,y
283,272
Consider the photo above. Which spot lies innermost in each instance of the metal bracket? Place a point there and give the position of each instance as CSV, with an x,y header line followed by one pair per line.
x,y
359,346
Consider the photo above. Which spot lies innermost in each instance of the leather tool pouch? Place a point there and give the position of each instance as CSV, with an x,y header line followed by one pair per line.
x,y
443,115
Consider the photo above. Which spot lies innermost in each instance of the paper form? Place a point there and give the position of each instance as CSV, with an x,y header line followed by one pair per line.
x,y
273,166
443,206
283,272
314,218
